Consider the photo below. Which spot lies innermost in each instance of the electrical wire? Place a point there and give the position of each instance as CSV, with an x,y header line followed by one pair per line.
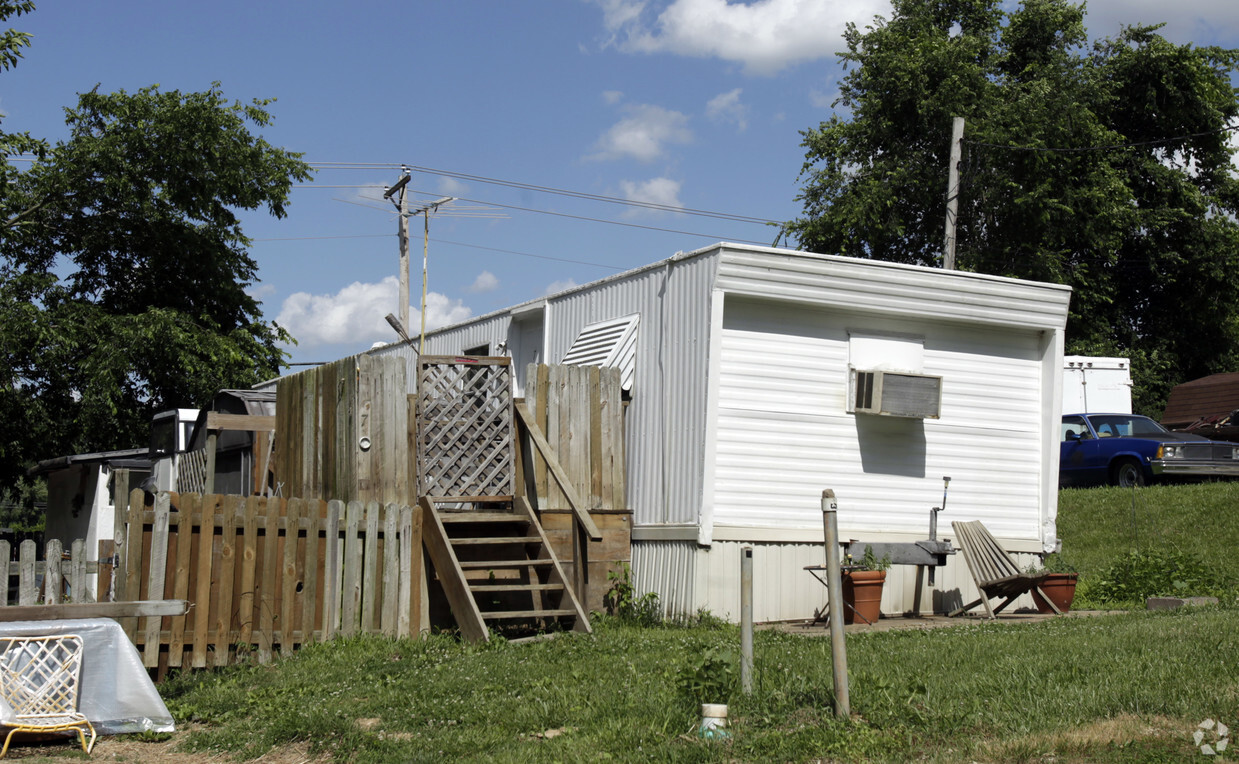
x,y
545,190
613,222
1111,147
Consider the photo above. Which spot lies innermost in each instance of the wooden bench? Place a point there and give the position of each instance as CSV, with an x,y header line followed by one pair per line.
x,y
993,570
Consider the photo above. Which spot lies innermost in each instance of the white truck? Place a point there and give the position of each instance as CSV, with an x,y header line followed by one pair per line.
x,y
1096,385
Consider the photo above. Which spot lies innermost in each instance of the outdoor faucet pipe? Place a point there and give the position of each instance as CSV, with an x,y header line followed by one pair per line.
x,y
933,522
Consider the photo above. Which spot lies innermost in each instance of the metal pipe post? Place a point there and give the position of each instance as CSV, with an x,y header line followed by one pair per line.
x,y
834,586
746,620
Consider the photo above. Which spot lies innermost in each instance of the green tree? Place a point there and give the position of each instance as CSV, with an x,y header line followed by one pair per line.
x,y
1106,167
124,271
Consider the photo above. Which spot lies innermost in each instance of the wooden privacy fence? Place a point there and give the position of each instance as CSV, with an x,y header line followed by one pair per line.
x,y
342,431
265,575
579,411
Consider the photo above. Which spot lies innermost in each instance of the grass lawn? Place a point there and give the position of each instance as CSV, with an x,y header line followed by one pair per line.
x,y
1159,540
1129,687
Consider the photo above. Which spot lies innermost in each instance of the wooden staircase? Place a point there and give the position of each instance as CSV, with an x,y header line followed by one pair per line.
x,y
498,570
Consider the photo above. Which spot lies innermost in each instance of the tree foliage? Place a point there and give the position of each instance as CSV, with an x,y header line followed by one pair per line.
x,y
124,273
1105,166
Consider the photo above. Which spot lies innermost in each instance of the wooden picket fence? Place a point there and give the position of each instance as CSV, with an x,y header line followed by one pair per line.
x,y
55,579
265,575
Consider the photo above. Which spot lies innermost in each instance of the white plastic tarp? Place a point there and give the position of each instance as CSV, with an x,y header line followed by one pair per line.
x,y
115,693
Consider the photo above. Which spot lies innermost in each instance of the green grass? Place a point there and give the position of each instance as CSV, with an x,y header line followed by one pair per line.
x,y
1110,532
1125,687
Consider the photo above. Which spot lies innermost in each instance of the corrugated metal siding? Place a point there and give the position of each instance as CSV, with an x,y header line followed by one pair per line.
x,y
668,568
664,423
784,434
890,289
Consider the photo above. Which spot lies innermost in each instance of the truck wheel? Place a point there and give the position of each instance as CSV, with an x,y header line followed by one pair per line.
x,y
1126,473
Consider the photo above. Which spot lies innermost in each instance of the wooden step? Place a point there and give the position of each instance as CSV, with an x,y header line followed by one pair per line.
x,y
447,518
507,615
494,564
485,587
497,540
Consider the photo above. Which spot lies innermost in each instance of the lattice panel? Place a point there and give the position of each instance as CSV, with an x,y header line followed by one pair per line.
x,y
191,472
38,675
464,427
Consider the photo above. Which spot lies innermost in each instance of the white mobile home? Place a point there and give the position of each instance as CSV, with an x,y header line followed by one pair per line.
x,y
744,365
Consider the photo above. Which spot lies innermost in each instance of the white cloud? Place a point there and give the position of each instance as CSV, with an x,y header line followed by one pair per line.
x,y
764,36
555,287
485,282
726,107
451,187
260,291
355,314
612,97
656,190
1203,22
643,134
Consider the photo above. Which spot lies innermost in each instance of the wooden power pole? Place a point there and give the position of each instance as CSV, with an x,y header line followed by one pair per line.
x,y
402,229
952,194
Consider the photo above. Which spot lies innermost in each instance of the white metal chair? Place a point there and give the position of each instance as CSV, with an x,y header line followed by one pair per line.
x,y
39,681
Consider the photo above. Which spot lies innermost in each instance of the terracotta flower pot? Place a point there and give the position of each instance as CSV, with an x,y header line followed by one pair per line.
x,y
1060,588
862,589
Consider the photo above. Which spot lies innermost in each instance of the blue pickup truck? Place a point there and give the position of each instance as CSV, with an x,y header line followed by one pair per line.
x,y
1127,450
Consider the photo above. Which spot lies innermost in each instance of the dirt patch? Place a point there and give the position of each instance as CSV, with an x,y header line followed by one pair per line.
x,y
1124,738
132,750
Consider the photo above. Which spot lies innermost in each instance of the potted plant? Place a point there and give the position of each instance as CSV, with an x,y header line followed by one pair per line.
x,y
862,587
1059,585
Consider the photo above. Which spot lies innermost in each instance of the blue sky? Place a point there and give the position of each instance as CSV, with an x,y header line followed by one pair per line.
x,y
690,104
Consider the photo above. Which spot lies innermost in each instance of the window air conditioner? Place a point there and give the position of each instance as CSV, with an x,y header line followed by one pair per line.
x,y
889,393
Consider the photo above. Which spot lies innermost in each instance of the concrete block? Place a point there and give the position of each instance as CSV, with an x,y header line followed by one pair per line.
x,y
1172,603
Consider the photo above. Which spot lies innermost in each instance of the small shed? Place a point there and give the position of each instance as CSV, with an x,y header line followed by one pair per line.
x,y
1207,405
758,377
80,494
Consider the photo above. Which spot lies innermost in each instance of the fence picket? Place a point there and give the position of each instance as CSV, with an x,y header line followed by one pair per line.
x,y
229,506
288,588
311,572
188,506
79,589
408,582
249,562
6,554
53,583
370,559
391,567
158,575
267,590
331,575
352,570
205,576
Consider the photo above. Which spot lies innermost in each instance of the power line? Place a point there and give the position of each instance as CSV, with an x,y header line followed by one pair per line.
x,y
547,190
1111,147
613,222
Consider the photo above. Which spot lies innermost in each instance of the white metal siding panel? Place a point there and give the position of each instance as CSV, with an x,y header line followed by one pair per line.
x,y
869,286
784,434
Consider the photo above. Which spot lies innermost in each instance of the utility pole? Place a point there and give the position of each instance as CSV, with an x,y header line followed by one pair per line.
x,y
952,194
402,230
424,210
